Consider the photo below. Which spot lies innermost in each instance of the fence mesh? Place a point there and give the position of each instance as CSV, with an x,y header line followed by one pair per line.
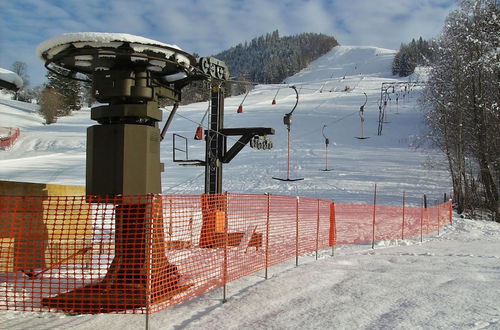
x,y
138,254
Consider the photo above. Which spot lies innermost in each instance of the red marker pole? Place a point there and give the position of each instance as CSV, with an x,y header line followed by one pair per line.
x,y
403,223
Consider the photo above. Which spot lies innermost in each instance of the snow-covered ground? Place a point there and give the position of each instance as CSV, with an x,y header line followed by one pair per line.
x,y
451,281
56,153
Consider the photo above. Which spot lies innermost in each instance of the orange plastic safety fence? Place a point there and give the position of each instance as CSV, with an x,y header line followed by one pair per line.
x,y
362,223
11,136
138,254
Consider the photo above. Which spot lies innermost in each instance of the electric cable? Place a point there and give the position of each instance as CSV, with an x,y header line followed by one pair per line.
x,y
207,128
278,86
329,123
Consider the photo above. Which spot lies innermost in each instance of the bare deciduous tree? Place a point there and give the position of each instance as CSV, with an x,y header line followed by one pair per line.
x,y
463,103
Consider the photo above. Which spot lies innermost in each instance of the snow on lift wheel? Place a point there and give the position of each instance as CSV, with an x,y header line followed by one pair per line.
x,y
92,53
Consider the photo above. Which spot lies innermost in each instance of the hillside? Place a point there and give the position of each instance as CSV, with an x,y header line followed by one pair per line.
x,y
272,58
57,152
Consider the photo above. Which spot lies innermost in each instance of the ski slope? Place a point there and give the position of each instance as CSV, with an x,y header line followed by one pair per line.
x,y
56,153
400,284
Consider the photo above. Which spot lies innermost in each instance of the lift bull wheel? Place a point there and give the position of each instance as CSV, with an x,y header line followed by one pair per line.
x,y
129,73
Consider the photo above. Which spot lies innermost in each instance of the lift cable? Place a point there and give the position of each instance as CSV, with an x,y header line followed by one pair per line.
x,y
229,137
330,123
200,124
199,130
186,181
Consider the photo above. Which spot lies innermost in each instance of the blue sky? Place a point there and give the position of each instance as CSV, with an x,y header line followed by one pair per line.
x,y
210,26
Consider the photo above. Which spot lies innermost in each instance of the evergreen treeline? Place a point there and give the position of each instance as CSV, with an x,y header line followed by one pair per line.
x,y
271,58
411,55
463,104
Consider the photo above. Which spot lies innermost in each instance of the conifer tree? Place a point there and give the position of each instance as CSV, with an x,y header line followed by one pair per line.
x,y
271,58
412,55
68,88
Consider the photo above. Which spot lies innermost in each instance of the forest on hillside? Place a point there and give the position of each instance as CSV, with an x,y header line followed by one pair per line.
x,y
416,53
265,59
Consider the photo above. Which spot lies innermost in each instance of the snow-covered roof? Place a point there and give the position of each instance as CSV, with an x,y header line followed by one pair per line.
x,y
96,37
50,48
11,78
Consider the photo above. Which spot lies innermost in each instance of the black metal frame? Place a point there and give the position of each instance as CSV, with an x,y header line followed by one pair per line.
x,y
216,142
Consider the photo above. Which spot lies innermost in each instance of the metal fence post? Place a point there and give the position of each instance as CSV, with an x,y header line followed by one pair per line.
x,y
149,263
426,213
267,234
317,232
421,221
224,264
437,211
297,233
403,224
374,209
450,210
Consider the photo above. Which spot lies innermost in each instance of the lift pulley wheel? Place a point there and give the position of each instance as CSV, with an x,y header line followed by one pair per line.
x,y
89,52
262,142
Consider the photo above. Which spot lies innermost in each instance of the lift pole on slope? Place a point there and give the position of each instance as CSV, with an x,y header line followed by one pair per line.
x,y
287,120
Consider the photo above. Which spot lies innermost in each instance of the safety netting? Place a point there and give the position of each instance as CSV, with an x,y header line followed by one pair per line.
x,y
142,254
362,223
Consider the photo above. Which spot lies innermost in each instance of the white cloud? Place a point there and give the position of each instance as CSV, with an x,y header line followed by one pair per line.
x,y
390,22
